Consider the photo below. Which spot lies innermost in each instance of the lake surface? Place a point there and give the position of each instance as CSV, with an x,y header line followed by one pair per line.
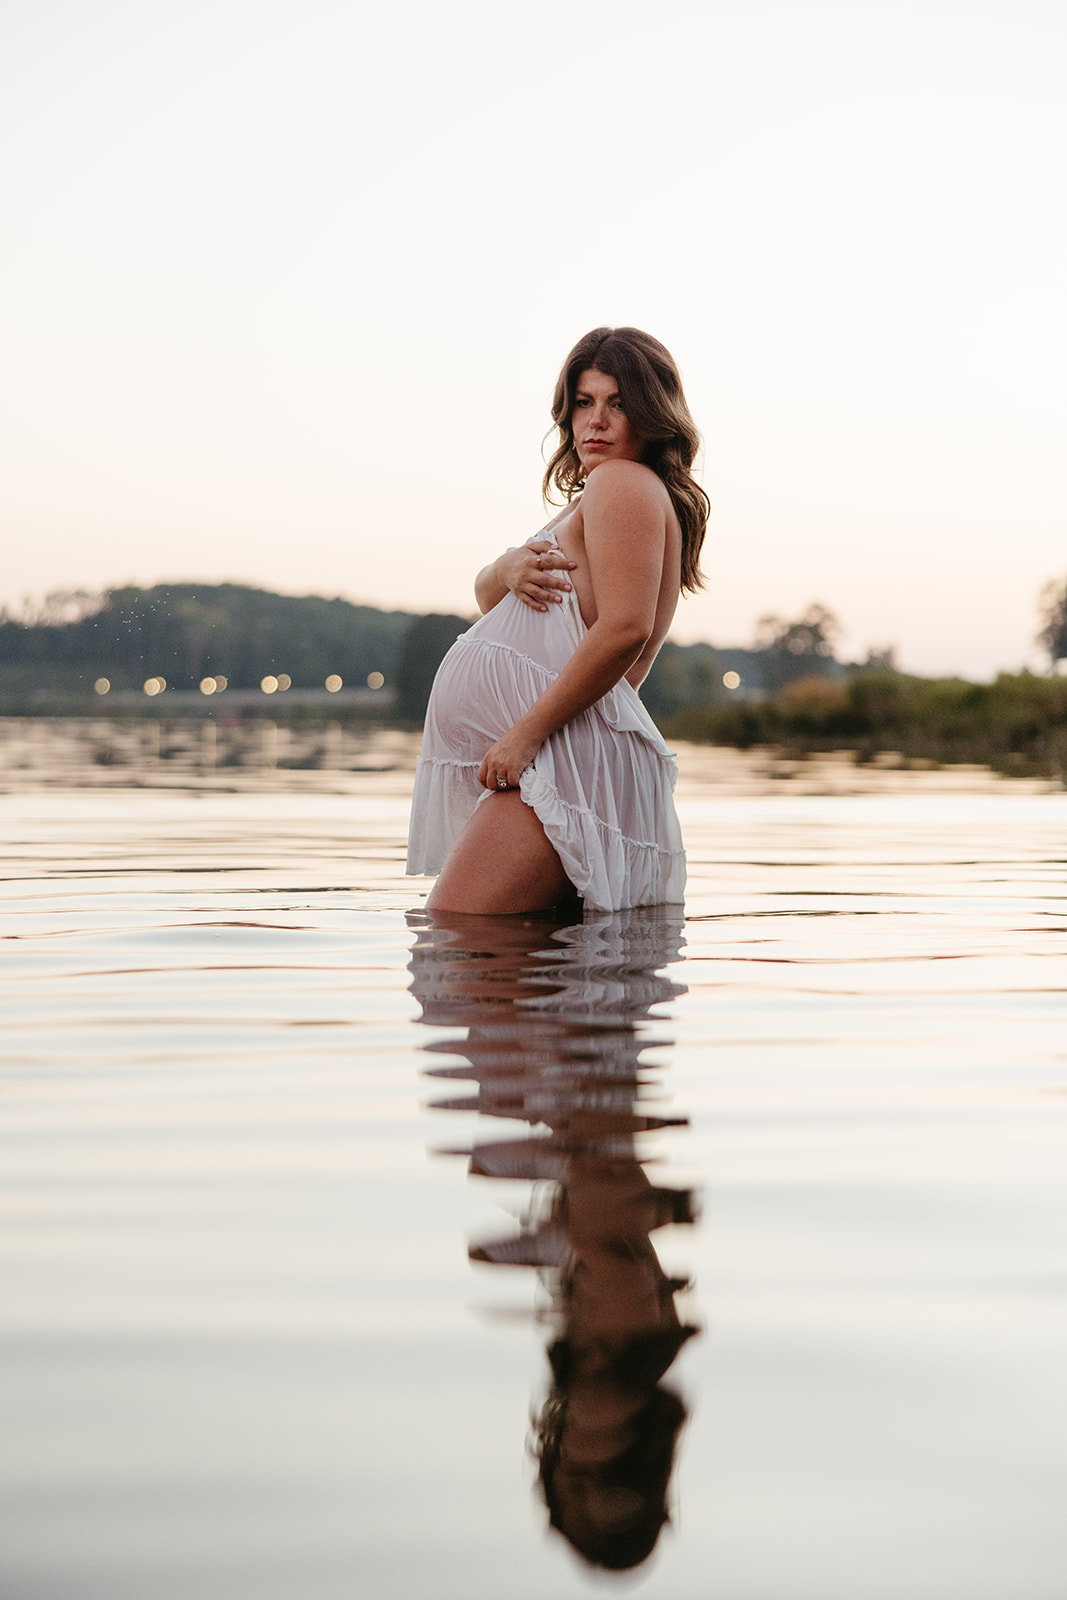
x,y
321,1220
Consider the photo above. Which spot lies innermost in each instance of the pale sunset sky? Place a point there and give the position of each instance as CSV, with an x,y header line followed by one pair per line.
x,y
287,286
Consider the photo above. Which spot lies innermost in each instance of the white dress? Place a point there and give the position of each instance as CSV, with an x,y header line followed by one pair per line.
x,y
601,786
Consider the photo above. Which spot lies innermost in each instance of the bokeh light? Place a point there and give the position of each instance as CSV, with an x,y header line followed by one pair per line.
x,y
208,686
284,681
375,680
220,682
333,683
731,680
102,685
269,684
155,685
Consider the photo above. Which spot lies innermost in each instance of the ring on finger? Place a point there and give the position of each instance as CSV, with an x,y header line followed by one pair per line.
x,y
501,783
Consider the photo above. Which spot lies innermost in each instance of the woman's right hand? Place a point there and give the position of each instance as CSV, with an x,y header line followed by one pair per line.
x,y
536,573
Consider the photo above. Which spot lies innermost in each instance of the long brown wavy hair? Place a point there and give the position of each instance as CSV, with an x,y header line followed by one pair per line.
x,y
651,393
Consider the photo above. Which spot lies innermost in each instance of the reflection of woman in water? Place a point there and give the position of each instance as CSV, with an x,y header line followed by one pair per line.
x,y
541,773
608,1430
552,1014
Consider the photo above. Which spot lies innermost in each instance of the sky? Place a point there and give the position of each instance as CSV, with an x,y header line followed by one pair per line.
x,y
286,287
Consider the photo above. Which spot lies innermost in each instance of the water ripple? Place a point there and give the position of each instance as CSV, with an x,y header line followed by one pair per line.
x,y
239,1351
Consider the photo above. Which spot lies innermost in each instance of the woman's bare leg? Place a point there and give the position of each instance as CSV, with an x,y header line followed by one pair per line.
x,y
502,862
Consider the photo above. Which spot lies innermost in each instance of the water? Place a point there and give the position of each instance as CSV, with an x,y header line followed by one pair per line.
x,y
301,1191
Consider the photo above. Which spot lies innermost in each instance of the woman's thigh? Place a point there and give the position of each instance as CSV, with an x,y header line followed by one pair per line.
x,y
501,862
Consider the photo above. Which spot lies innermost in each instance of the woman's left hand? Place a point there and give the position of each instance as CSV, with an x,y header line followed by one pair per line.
x,y
506,762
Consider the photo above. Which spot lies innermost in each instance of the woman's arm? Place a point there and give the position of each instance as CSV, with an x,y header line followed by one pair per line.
x,y
518,572
624,511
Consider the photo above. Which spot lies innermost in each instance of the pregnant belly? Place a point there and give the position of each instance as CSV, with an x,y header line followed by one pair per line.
x,y
482,688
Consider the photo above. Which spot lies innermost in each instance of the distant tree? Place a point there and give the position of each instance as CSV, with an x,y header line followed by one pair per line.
x,y
422,650
799,649
880,658
813,634
1053,608
681,676
61,606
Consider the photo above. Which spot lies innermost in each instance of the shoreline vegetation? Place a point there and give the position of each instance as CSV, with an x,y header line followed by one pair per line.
x,y
231,655
1017,725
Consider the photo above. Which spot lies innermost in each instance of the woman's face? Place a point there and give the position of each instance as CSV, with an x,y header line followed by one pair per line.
x,y
601,431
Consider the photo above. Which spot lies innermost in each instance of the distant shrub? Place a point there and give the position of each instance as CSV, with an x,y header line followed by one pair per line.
x,y
880,699
742,724
814,705
1017,723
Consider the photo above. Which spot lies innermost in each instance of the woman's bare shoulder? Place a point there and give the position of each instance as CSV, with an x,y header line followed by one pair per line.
x,y
631,481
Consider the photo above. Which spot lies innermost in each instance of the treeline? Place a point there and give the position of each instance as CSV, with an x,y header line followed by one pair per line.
x,y
783,652
787,690
1017,724
185,632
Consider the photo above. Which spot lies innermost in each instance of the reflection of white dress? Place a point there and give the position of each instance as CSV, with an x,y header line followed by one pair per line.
x,y
601,786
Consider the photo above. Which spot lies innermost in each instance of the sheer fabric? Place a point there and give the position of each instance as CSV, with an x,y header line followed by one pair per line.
x,y
602,785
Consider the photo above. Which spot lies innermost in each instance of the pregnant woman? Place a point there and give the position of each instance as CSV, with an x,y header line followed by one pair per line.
x,y
541,774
